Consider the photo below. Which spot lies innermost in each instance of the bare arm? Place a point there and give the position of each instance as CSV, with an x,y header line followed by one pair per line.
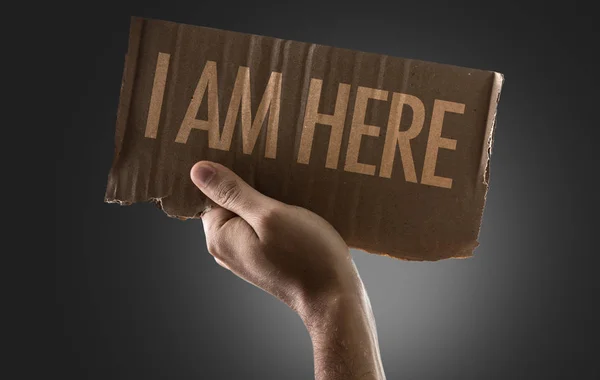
x,y
299,258
344,337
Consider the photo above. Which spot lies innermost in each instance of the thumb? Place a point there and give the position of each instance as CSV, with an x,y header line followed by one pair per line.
x,y
228,190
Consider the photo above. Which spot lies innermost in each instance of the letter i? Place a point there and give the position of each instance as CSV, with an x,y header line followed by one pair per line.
x,y
158,91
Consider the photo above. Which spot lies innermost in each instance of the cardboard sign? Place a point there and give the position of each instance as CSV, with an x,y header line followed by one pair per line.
x,y
393,152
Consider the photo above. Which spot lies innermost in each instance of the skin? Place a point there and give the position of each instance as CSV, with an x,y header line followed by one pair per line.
x,y
299,258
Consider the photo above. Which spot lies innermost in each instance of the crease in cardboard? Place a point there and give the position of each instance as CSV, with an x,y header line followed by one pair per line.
x,y
380,82
127,85
154,112
171,93
125,98
306,84
356,66
330,70
284,72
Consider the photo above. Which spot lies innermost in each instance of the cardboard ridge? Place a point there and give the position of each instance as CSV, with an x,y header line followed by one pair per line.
x,y
393,152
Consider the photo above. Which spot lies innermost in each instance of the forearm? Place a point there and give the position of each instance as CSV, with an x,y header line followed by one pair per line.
x,y
344,338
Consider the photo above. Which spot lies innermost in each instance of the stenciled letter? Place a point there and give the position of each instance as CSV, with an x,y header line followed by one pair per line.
x,y
359,128
208,80
336,121
250,129
395,137
436,141
158,92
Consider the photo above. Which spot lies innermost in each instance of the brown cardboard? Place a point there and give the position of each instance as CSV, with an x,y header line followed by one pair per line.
x,y
393,152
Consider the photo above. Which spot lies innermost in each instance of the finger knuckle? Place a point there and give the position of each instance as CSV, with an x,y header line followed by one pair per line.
x,y
228,192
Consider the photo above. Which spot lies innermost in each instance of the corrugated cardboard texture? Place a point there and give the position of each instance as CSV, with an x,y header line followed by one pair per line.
x,y
393,152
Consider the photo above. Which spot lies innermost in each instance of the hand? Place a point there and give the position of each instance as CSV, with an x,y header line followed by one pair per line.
x,y
299,258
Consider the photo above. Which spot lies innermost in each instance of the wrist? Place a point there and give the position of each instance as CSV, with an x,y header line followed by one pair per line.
x,y
334,308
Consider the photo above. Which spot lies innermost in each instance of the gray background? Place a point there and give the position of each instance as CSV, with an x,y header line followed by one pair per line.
x,y
140,297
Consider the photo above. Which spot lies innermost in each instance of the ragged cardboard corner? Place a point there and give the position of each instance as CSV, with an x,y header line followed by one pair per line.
x,y
393,152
